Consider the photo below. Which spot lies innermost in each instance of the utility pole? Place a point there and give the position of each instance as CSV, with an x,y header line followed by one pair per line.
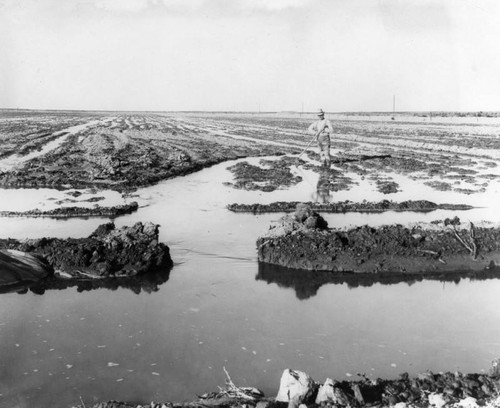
x,y
393,107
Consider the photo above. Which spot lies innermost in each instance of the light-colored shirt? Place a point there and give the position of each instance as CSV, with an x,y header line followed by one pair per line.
x,y
321,126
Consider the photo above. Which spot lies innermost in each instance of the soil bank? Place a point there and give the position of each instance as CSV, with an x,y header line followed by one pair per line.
x,y
303,241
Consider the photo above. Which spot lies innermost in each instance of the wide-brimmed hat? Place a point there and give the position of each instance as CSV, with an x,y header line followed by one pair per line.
x,y
320,112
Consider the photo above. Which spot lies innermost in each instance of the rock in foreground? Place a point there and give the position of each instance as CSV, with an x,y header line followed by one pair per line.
x,y
304,241
108,252
297,389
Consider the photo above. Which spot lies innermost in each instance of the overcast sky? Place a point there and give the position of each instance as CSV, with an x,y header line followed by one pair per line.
x,y
341,55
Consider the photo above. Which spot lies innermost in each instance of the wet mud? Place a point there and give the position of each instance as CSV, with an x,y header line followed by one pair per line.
x,y
121,153
303,241
348,206
76,212
386,185
424,390
269,176
107,253
442,171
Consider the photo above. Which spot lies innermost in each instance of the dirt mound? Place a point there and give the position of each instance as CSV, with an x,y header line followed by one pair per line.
x,y
106,253
392,248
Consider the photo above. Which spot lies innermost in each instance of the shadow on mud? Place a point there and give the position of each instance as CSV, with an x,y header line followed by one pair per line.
x,y
307,283
146,283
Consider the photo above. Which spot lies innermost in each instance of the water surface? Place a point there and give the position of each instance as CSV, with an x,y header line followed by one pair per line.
x,y
217,309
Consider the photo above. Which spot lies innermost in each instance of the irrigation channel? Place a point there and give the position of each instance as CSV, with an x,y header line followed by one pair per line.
x,y
217,307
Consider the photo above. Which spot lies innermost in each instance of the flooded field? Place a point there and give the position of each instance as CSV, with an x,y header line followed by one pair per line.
x,y
219,306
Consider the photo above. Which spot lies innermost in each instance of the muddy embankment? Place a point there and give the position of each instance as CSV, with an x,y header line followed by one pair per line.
x,y
304,241
108,253
76,212
298,389
348,206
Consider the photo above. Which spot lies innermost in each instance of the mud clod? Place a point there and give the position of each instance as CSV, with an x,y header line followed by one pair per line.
x,y
393,248
276,175
108,252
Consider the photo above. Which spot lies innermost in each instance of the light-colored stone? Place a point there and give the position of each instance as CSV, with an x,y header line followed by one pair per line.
x,y
295,386
325,392
262,404
493,403
436,400
467,402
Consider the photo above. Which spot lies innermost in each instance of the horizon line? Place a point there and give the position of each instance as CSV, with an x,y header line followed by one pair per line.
x,y
248,111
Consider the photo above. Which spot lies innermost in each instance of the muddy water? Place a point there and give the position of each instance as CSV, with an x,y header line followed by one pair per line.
x,y
214,312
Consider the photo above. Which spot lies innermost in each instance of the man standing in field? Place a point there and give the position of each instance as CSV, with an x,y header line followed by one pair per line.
x,y
321,130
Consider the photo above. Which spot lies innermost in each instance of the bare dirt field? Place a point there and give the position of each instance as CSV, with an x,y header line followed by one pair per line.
x,y
53,149
126,150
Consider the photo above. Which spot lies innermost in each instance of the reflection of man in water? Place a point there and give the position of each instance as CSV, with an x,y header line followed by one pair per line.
x,y
321,130
323,187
